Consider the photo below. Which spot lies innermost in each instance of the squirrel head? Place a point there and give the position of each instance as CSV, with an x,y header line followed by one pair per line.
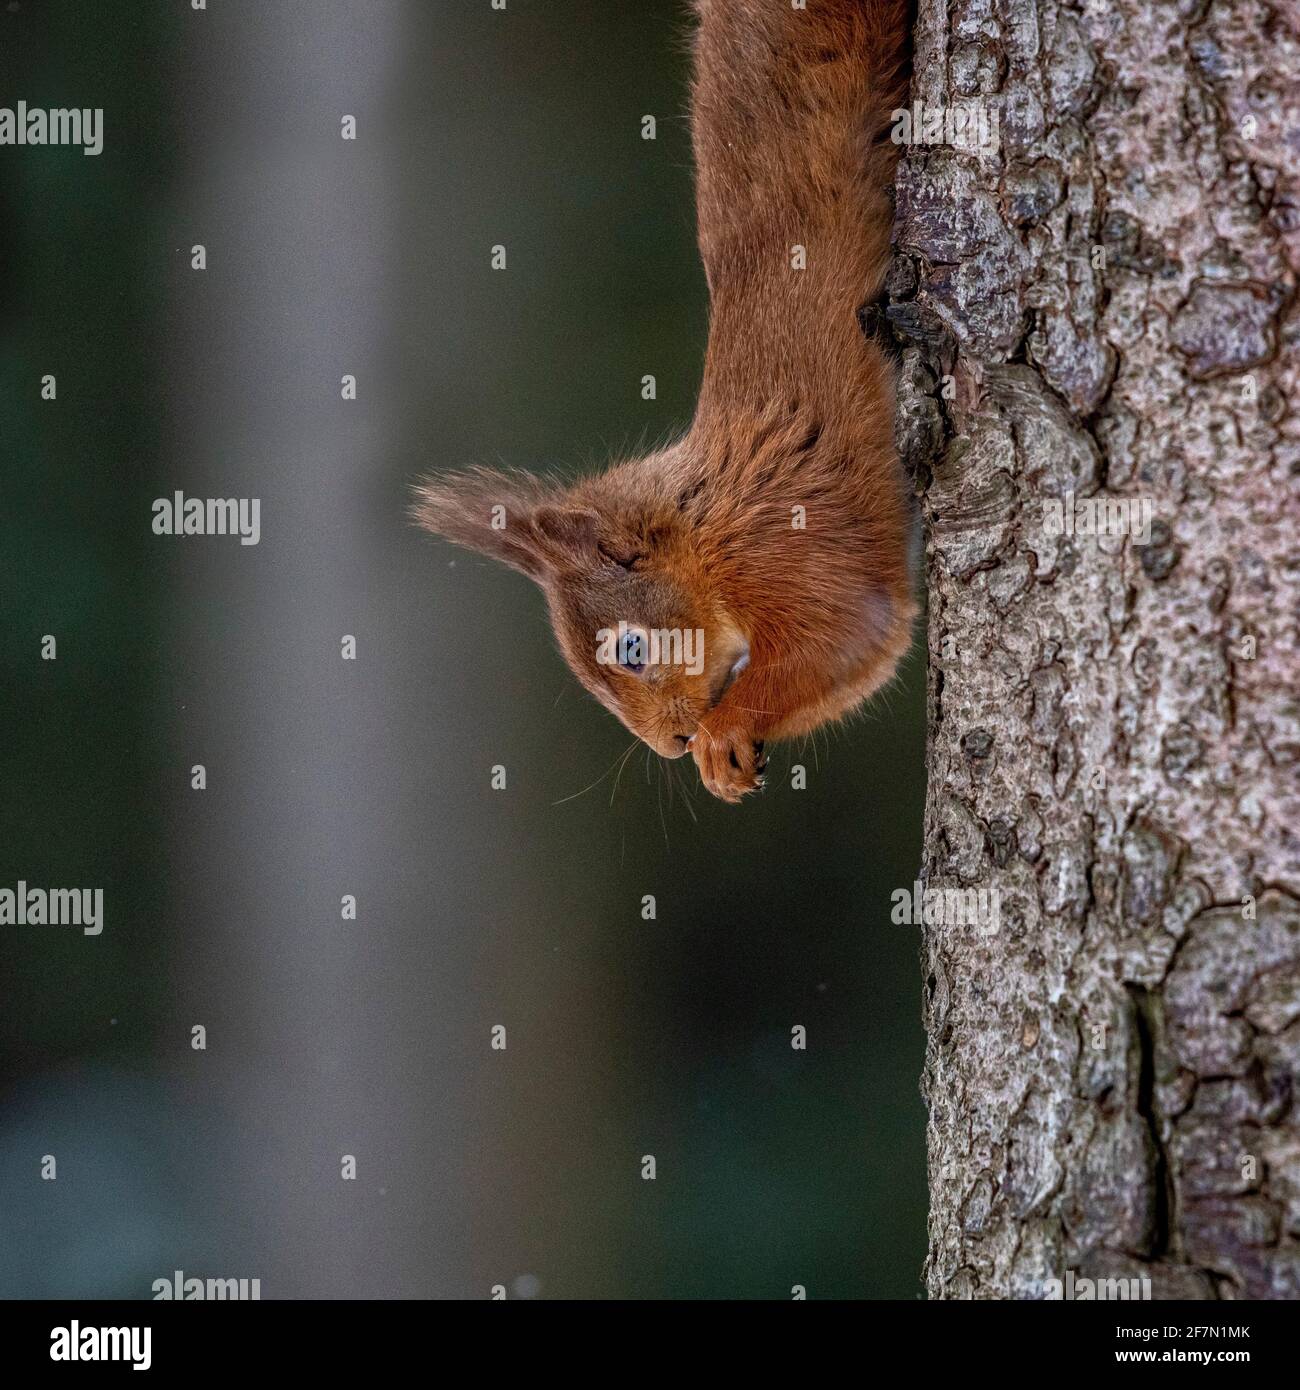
x,y
633,614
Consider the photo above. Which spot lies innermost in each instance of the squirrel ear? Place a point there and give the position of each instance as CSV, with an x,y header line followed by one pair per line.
x,y
488,511
565,532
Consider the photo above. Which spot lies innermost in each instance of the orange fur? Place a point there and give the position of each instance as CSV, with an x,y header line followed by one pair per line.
x,y
790,113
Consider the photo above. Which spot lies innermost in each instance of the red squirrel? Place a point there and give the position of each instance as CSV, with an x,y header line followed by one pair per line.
x,y
779,525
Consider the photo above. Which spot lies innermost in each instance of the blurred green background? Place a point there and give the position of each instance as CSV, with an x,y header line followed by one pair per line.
x,y
477,907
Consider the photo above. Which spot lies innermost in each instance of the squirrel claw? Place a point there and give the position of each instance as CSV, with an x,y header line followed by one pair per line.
x,y
730,762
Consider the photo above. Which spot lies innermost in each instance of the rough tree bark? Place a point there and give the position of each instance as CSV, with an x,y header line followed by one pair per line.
x,y
1113,1076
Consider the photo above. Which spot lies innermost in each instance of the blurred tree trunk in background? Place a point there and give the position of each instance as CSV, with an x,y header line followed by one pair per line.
x,y
1105,309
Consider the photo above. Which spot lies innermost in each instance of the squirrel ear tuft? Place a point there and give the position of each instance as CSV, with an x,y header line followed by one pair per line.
x,y
516,518
486,510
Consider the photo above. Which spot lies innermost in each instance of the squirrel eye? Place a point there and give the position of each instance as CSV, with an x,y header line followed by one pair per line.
x,y
631,652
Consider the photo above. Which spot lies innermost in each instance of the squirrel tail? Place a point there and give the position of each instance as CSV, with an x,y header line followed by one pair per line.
x,y
791,116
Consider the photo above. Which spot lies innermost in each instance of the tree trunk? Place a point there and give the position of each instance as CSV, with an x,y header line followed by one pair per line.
x,y
1105,309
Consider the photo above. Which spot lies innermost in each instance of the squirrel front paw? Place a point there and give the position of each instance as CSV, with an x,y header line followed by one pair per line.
x,y
730,761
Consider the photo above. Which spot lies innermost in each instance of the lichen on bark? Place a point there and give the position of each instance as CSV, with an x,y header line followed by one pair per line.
x,y
1105,308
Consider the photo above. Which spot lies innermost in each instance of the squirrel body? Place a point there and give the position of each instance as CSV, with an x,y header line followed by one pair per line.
x,y
780,524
